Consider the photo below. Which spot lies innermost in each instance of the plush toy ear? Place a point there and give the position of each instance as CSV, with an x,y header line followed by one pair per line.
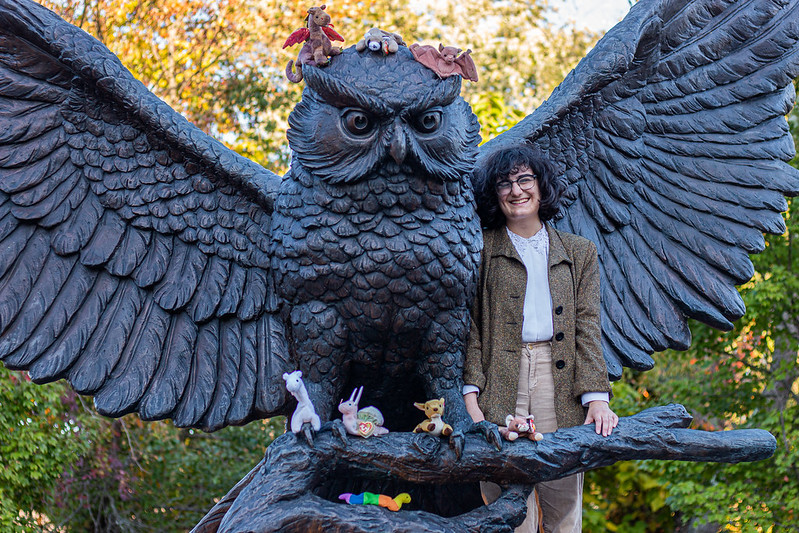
x,y
440,47
419,406
442,402
358,397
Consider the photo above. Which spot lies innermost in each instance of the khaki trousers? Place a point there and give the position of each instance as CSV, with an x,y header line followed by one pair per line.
x,y
560,501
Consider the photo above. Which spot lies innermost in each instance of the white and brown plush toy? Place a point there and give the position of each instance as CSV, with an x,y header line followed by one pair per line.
x,y
519,426
378,40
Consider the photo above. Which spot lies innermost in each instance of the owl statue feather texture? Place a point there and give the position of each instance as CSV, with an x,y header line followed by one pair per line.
x,y
160,272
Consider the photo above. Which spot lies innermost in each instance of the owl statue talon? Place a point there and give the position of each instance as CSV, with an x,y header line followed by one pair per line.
x,y
338,429
490,431
308,432
457,441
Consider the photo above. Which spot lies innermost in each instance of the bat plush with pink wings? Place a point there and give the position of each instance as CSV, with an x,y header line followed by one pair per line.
x,y
445,61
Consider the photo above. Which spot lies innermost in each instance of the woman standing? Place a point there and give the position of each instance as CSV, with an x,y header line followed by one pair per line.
x,y
534,345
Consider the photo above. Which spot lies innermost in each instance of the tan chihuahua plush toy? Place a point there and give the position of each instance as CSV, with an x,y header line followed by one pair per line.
x,y
434,424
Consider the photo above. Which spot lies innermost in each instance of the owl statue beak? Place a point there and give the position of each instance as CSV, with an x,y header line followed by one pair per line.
x,y
399,146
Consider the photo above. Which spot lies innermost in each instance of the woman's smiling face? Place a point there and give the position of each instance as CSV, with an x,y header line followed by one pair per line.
x,y
517,203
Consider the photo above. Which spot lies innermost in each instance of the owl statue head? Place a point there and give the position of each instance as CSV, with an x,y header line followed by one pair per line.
x,y
370,113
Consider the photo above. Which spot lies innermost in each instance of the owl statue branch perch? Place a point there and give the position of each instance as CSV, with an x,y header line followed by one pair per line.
x,y
279,494
163,274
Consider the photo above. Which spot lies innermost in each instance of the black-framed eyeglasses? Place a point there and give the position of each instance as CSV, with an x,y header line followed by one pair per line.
x,y
525,183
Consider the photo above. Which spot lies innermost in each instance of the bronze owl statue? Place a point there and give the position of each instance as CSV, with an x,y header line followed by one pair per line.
x,y
375,241
163,274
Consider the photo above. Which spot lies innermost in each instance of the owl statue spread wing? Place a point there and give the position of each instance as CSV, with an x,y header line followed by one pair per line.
x,y
160,272
671,135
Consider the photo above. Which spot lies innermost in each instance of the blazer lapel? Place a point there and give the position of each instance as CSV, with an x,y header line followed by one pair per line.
x,y
557,252
503,247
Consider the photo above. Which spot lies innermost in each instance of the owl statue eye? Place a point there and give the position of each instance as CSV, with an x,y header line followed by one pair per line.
x,y
357,122
429,121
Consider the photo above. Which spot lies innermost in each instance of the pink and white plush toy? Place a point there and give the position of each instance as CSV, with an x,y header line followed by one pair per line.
x,y
361,422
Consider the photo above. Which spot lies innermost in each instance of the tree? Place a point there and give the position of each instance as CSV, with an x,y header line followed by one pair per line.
x,y
63,465
40,436
207,59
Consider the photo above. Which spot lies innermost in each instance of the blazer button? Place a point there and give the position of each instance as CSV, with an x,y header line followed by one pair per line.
x,y
559,336
560,364
559,310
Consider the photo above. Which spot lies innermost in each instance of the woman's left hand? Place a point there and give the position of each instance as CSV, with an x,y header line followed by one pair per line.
x,y
599,412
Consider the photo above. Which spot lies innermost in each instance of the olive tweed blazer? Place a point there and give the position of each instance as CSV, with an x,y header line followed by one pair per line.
x,y
495,339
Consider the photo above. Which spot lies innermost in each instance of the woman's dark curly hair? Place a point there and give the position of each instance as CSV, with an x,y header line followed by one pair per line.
x,y
499,165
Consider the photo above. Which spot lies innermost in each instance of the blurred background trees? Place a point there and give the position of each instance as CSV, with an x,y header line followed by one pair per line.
x,y
220,63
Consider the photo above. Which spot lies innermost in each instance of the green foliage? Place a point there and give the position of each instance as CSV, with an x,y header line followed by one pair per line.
x,y
155,477
63,465
494,115
39,437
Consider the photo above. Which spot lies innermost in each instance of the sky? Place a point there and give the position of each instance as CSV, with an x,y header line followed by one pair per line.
x,y
596,15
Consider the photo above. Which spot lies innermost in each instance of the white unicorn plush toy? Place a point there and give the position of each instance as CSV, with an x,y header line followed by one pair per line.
x,y
305,411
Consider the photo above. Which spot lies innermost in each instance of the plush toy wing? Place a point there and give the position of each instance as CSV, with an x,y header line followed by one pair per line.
x,y
672,137
298,36
427,55
468,68
133,247
331,34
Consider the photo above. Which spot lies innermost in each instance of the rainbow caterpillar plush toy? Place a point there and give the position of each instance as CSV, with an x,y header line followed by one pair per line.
x,y
369,498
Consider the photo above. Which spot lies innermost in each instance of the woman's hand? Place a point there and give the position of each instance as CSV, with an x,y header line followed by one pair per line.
x,y
472,408
599,412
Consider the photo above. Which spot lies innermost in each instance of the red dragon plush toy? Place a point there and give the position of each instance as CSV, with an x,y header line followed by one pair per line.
x,y
317,35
